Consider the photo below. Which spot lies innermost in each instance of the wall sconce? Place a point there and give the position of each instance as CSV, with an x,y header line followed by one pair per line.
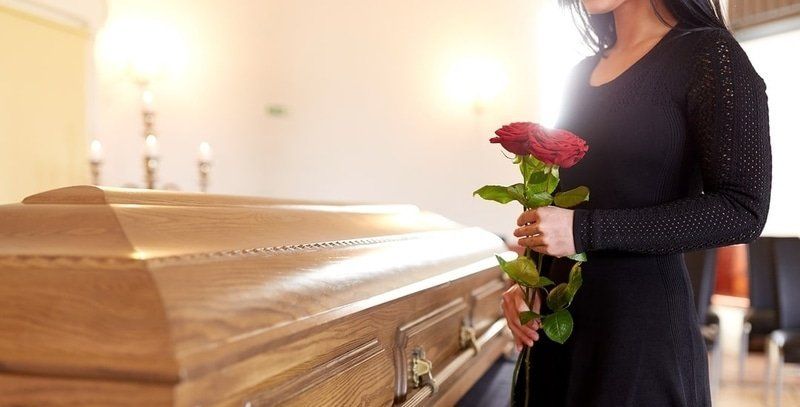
x,y
476,81
141,50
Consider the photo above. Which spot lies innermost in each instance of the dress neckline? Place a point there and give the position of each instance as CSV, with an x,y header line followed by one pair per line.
x,y
596,60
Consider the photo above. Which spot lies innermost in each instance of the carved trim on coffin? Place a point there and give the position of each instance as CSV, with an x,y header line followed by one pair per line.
x,y
480,293
410,329
316,376
202,257
118,262
68,262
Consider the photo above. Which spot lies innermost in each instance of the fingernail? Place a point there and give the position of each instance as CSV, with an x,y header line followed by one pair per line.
x,y
518,346
530,343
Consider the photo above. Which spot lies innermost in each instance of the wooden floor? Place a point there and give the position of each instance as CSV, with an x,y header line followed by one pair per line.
x,y
751,391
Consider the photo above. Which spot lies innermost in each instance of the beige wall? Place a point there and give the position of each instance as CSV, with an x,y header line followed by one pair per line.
x,y
42,105
369,116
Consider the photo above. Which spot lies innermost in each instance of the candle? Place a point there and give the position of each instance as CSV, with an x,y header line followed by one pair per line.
x,y
96,151
205,152
151,145
147,100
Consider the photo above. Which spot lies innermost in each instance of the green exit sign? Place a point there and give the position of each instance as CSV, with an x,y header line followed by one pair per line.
x,y
277,110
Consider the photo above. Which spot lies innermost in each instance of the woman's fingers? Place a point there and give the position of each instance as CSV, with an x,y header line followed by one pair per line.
x,y
528,216
534,325
546,230
527,328
512,304
528,230
532,241
512,320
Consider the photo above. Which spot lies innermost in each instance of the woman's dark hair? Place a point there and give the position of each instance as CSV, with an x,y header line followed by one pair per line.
x,y
598,30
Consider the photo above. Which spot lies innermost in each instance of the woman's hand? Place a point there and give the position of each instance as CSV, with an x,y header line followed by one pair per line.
x,y
546,230
513,304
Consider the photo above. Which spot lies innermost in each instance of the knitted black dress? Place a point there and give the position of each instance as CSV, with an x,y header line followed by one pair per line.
x,y
679,159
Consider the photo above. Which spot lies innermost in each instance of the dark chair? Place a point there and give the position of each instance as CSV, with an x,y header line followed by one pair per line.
x,y
760,319
701,265
784,343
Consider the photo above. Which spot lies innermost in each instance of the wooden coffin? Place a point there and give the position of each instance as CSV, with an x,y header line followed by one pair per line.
x,y
148,298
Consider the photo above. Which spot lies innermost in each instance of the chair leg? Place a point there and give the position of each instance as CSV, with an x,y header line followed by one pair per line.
x,y
768,369
744,346
778,374
716,361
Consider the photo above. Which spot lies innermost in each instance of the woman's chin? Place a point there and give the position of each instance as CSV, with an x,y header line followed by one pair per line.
x,y
601,6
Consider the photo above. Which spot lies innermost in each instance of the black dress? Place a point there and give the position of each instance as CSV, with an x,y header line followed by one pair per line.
x,y
679,159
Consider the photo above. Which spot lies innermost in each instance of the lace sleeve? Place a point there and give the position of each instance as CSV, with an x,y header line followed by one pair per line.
x,y
727,118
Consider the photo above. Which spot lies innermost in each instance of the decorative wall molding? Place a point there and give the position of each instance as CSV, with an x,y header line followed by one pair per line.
x,y
87,15
751,14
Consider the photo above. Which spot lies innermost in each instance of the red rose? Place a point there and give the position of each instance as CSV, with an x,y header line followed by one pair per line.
x,y
551,146
515,137
559,147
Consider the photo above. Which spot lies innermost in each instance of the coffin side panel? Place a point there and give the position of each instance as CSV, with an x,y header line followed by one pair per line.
x,y
87,322
228,309
60,392
325,361
486,305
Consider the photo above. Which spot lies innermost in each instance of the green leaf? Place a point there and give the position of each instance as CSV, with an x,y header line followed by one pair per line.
x,y
575,280
574,196
525,168
575,276
537,177
544,282
535,163
527,316
559,297
551,182
539,199
497,193
517,191
581,257
536,183
562,295
522,270
529,165
540,181
558,326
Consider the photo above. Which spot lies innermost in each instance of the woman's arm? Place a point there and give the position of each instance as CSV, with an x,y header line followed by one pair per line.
x,y
728,120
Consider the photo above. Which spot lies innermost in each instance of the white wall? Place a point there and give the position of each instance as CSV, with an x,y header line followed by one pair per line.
x,y
364,83
779,66
369,117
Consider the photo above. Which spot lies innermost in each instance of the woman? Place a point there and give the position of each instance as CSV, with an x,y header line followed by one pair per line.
x,y
677,124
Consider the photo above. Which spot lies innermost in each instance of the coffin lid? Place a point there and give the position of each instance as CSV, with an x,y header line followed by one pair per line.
x,y
164,286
